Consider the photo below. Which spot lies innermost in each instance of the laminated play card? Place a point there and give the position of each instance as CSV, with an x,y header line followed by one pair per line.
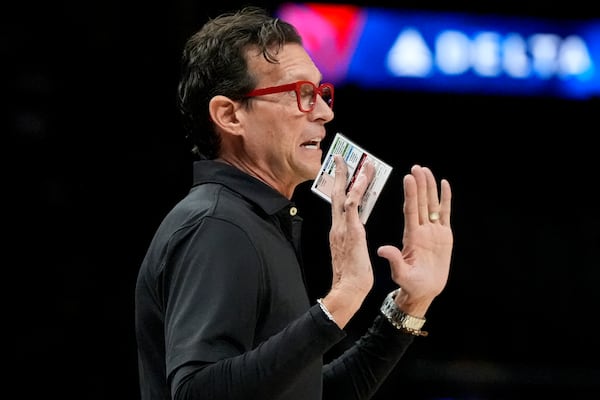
x,y
355,158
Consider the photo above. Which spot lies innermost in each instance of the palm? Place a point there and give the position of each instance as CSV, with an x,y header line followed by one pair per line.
x,y
421,268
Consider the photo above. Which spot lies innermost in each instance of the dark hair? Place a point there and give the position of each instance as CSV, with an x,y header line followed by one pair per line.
x,y
214,63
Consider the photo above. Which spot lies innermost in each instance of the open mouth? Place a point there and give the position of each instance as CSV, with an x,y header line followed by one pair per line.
x,y
312,144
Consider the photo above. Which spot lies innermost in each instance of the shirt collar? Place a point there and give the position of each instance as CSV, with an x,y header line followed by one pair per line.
x,y
258,192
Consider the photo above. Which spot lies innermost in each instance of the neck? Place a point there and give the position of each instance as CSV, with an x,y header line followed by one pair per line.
x,y
264,175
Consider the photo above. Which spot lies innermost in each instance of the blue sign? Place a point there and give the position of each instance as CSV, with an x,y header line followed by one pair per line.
x,y
449,52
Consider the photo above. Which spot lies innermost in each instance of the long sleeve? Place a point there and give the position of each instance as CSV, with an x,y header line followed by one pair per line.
x,y
272,370
362,368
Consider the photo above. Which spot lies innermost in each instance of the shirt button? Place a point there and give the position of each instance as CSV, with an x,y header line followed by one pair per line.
x,y
293,211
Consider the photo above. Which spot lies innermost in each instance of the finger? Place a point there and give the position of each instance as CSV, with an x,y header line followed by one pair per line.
x,y
422,200
411,206
338,194
445,202
359,186
433,201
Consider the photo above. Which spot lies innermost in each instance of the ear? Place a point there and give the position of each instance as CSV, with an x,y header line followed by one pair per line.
x,y
223,112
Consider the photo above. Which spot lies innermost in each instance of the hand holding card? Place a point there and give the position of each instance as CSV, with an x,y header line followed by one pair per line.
x,y
355,157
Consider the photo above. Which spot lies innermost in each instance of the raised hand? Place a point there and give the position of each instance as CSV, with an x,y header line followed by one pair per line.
x,y
351,264
421,268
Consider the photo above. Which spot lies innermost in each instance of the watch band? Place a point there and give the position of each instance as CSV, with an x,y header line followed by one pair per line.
x,y
399,319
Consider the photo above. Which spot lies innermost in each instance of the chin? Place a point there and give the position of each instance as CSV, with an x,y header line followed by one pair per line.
x,y
309,172
309,165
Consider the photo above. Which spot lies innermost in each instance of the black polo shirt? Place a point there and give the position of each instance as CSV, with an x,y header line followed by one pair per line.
x,y
221,305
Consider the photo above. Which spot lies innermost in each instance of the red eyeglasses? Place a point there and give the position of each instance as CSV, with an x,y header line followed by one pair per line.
x,y
306,93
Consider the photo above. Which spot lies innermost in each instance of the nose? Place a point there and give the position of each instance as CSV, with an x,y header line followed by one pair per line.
x,y
322,110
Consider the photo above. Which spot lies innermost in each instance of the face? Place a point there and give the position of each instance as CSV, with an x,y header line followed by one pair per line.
x,y
282,145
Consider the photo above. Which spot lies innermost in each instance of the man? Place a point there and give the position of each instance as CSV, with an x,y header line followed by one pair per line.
x,y
222,310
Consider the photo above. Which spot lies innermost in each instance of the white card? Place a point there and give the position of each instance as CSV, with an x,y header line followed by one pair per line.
x,y
355,158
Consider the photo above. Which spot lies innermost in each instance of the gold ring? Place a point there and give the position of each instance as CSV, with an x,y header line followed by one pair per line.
x,y
434,216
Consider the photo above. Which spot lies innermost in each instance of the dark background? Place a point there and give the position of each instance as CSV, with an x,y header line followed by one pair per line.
x,y
95,158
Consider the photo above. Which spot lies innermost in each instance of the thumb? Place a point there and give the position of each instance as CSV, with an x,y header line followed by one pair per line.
x,y
390,253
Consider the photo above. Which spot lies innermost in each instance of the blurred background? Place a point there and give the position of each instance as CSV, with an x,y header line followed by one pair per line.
x,y
95,158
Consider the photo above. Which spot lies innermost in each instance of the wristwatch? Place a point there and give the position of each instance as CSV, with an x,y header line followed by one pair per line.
x,y
399,319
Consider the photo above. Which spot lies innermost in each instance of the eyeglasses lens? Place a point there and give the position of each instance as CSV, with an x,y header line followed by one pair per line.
x,y
308,95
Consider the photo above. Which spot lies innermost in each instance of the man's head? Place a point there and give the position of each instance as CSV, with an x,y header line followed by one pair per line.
x,y
214,63
274,133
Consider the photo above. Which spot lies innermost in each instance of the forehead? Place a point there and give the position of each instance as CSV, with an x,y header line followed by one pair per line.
x,y
294,64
